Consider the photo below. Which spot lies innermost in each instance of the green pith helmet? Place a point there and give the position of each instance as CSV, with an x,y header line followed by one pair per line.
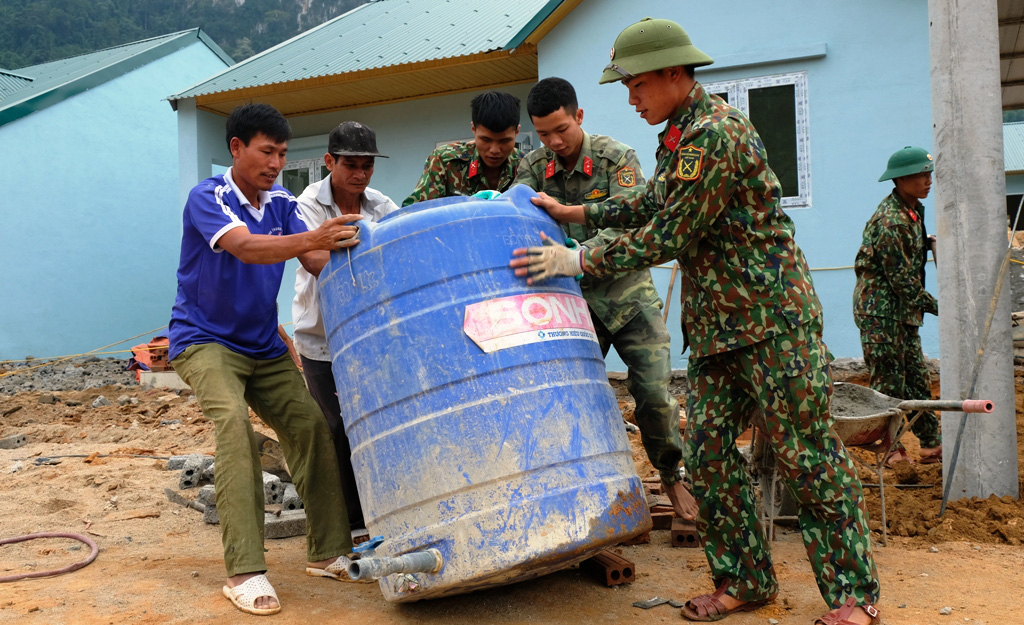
x,y
648,45
907,162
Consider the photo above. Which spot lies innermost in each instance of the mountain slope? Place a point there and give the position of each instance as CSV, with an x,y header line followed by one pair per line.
x,y
37,31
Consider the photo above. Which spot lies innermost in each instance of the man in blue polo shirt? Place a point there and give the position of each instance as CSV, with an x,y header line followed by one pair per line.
x,y
239,228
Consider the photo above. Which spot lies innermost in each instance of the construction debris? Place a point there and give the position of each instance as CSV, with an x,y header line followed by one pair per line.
x,y
192,470
656,601
684,533
181,500
610,567
13,441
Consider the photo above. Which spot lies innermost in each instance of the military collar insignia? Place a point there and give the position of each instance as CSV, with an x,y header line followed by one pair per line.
x,y
691,160
910,209
588,167
672,138
474,168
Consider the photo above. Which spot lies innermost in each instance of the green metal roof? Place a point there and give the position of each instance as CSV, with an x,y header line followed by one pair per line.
x,y
386,33
56,81
11,82
1013,147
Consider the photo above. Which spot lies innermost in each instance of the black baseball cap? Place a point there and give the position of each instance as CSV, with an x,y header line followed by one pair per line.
x,y
353,139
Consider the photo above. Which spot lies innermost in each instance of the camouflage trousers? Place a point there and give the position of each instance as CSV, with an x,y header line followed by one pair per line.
x,y
643,345
893,355
788,380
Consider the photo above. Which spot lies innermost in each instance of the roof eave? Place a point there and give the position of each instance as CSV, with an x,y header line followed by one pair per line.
x,y
210,101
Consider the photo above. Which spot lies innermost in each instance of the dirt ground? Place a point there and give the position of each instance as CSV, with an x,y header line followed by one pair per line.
x,y
159,563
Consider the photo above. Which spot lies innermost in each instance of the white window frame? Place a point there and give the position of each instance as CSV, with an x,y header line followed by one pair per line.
x,y
311,165
738,90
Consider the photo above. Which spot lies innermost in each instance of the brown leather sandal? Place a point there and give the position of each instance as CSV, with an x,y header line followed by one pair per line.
x,y
709,608
841,615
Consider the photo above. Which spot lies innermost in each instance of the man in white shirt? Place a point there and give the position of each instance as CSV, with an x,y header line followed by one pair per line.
x,y
351,150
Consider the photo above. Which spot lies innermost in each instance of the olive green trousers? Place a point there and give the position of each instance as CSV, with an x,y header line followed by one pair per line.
x,y
226,384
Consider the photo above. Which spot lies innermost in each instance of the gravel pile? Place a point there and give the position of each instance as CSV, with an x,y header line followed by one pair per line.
x,y
77,374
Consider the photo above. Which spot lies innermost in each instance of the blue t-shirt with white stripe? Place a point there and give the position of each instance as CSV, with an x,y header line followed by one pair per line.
x,y
221,299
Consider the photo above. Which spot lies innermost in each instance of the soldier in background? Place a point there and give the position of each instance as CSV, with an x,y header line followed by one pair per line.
x,y
753,322
889,300
488,161
575,167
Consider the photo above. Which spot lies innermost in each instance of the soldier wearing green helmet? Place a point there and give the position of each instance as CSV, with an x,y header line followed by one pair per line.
x,y
751,319
889,300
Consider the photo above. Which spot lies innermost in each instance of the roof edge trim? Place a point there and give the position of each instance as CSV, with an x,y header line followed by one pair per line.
x,y
535,22
8,72
216,49
45,99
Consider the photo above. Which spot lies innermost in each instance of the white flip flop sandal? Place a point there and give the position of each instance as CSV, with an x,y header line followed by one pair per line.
x,y
244,595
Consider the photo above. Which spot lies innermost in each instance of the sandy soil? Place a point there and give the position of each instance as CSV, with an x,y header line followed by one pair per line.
x,y
159,563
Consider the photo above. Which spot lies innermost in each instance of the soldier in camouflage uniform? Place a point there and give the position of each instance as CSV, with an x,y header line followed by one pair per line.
x,y
574,167
753,323
488,161
889,300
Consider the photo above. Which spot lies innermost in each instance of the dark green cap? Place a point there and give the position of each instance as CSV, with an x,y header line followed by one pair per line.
x,y
907,162
650,45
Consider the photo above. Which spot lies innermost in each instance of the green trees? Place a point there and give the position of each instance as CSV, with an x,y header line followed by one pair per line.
x,y
37,31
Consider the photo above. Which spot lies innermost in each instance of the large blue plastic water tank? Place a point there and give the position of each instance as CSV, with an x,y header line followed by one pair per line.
x,y
512,462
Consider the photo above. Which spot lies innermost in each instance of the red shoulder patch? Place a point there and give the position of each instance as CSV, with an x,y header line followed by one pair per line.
x,y
672,138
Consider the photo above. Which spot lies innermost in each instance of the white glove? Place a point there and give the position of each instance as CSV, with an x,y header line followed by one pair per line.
x,y
553,259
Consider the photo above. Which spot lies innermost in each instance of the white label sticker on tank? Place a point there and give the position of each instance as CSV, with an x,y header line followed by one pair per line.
x,y
528,318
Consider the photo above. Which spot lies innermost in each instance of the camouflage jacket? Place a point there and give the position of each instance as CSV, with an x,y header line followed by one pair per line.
x,y
604,168
456,169
890,264
713,203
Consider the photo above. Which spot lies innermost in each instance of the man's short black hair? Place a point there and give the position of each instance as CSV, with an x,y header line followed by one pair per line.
x,y
549,95
248,120
496,111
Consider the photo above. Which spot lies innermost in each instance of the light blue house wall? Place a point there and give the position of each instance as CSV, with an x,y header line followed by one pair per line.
x,y
92,227
868,95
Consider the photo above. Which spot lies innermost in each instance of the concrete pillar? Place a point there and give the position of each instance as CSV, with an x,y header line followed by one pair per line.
x,y
190,171
201,145
971,228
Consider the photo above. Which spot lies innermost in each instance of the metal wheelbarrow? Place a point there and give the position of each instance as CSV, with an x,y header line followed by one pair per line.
x,y
863,418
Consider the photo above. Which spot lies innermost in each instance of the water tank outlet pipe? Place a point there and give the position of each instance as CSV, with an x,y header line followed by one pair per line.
x,y
429,561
